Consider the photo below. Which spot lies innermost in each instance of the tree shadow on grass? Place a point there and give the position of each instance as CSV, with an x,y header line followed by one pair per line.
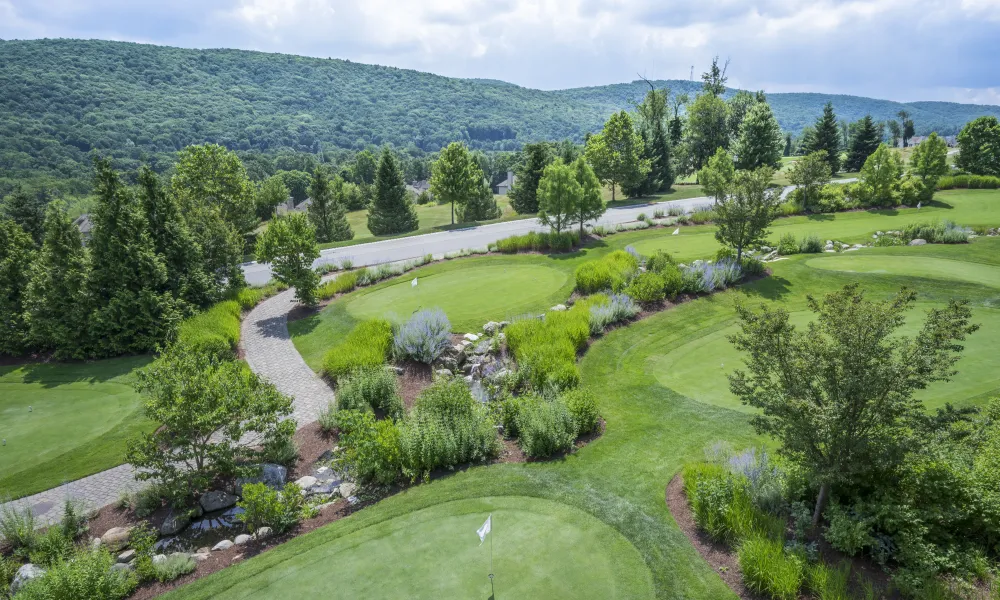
x,y
820,217
52,374
770,288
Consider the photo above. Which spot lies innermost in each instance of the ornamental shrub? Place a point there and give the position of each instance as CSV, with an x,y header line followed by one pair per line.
x,y
175,566
215,331
606,311
87,575
367,345
368,389
545,350
424,337
265,507
612,272
723,505
545,427
341,284
788,245
972,182
371,449
768,570
582,406
538,242
811,244
659,261
647,288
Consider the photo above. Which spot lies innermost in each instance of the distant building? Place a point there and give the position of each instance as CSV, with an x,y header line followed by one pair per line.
x,y
85,226
950,140
290,206
504,186
419,187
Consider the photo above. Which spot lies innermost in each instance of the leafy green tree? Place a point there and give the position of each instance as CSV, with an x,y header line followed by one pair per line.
x,y
455,177
653,128
895,132
676,122
743,216
718,175
217,419
930,160
880,176
187,281
559,193
271,193
907,128
589,205
838,396
714,80
524,195
17,252
864,142
616,153
826,137
56,305
481,205
133,312
27,210
810,173
326,212
759,142
391,211
738,106
289,244
707,128
365,167
211,175
297,183
979,147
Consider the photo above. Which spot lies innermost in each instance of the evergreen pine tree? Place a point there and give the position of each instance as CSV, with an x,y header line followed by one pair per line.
x,y
187,281
825,136
524,195
864,142
326,212
391,211
759,142
132,312
481,205
56,305
17,252
652,125
27,210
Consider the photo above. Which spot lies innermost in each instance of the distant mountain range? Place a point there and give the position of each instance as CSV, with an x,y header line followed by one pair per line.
x,y
60,99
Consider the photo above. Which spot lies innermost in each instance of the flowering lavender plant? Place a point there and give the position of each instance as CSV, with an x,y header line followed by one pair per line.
x,y
618,308
424,337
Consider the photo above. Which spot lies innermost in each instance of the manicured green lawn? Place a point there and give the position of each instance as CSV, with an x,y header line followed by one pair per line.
x,y
398,549
80,416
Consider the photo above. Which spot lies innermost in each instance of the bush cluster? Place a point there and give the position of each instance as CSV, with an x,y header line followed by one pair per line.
x,y
545,427
940,232
215,331
606,311
545,349
582,406
87,575
971,182
647,288
367,345
539,242
265,507
371,447
706,277
368,389
343,283
768,570
612,272
424,337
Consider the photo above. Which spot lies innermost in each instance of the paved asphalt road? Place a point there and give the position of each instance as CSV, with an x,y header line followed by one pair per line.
x,y
474,237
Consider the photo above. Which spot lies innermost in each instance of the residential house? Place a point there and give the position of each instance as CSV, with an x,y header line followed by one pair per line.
x,y
505,186
84,224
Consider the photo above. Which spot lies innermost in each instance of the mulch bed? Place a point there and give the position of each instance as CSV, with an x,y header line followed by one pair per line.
x,y
416,378
312,443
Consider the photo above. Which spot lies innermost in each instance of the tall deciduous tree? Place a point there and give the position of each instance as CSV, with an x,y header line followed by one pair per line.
x,y
880,176
391,211
930,160
838,396
289,244
979,147
326,211
707,128
907,127
676,123
589,205
743,216
717,175
365,167
864,142
616,153
211,175
133,311
481,205
17,252
826,137
56,304
759,141
455,176
27,210
524,195
559,194
714,80
738,106
895,132
271,193
810,173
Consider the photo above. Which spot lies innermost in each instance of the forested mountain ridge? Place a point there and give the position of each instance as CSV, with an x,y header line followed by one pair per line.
x,y
61,99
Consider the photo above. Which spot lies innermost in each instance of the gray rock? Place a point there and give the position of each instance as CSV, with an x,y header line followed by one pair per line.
x,y
468,379
159,559
122,567
558,307
306,482
448,363
127,556
116,538
471,337
216,500
223,545
183,555
175,523
242,539
263,533
274,476
347,489
95,544
397,370
200,556
203,550
483,347
443,373
491,328
918,242
324,488
25,574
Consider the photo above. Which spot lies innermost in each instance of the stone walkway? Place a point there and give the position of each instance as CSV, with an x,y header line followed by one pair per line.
x,y
268,350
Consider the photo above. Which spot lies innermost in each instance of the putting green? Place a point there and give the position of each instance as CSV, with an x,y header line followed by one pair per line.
x,y
465,294
911,266
64,421
698,368
541,549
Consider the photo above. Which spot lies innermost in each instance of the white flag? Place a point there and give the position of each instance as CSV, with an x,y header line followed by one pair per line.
x,y
676,231
482,531
414,282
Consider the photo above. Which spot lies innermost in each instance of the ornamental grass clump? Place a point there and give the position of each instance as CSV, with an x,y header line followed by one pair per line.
x,y
538,242
215,331
582,406
612,272
424,337
340,285
545,427
370,389
367,345
768,570
611,310
545,350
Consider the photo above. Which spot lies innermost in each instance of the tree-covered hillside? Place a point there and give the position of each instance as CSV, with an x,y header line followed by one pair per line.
x,y
62,99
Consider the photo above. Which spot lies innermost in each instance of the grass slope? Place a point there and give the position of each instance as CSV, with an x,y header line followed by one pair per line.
x,y
81,414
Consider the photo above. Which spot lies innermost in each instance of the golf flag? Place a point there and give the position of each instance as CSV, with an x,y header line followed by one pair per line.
x,y
414,282
676,231
485,529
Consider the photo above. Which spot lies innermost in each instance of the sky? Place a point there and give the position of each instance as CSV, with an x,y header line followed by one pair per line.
x,y
903,50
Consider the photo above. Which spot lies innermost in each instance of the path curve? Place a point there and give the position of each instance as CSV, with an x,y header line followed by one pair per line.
x,y
270,353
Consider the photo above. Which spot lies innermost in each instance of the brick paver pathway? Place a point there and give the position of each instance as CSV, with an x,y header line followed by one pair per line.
x,y
269,352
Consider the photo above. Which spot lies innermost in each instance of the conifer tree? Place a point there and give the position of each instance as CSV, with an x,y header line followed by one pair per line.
x,y
27,210
391,211
864,142
825,136
653,128
132,311
524,195
17,252
327,211
759,143
481,205
56,304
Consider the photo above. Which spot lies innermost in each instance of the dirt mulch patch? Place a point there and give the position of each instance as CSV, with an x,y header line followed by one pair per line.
x,y
416,378
312,443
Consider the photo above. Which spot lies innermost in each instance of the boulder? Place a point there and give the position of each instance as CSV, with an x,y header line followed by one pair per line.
x,y
183,555
491,328
558,307
323,488
203,550
223,545
443,373
397,370
471,337
263,533
347,489
918,242
306,482
242,539
483,347
448,363
116,538
200,556
127,556
25,574
122,567
175,523
95,544
159,559
216,500
274,476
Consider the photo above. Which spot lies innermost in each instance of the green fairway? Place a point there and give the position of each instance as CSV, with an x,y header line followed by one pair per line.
x,y
911,266
541,549
80,416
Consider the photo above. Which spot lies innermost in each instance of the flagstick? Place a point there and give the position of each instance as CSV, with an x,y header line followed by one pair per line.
x,y
493,593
